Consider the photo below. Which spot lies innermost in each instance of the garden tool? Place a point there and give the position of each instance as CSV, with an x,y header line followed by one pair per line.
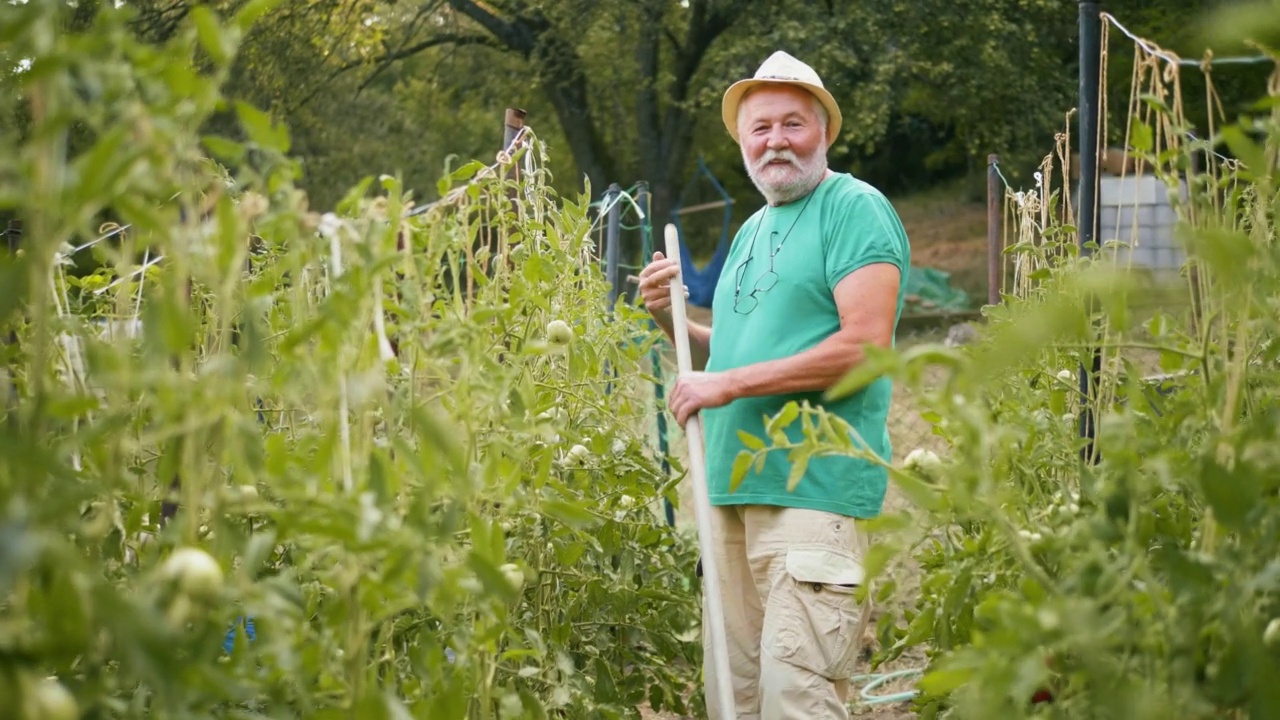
x,y
722,694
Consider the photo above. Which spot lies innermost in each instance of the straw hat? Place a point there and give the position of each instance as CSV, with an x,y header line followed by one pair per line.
x,y
784,69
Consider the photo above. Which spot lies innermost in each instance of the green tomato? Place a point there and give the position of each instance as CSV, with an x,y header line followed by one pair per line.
x,y
559,333
514,575
239,495
1271,637
196,573
578,456
922,460
101,520
47,699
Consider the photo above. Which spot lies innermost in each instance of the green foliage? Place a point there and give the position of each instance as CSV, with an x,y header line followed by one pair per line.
x,y
1244,27
994,75
428,506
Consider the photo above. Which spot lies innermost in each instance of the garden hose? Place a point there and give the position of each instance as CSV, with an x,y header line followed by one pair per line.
x,y
878,679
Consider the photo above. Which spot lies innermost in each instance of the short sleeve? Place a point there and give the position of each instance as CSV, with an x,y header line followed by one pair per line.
x,y
862,229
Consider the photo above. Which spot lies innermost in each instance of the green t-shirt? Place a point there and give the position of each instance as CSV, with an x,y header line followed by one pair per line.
x,y
846,225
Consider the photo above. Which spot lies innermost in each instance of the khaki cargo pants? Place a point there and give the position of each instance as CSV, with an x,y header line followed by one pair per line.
x,y
792,623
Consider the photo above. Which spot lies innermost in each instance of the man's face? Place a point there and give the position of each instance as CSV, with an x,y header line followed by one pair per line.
x,y
783,142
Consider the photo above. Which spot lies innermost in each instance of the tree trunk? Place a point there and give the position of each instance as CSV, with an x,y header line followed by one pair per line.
x,y
664,193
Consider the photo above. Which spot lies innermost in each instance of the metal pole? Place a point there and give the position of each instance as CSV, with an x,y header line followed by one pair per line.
x,y
1090,50
1087,222
1193,269
613,199
13,239
13,235
994,218
655,357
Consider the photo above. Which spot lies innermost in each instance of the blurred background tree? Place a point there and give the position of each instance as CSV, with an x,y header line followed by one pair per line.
x,y
630,91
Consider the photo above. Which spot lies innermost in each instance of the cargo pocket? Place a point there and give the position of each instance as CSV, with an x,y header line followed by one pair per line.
x,y
812,619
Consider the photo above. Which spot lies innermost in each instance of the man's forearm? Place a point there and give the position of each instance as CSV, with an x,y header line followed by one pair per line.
x,y
699,337
813,370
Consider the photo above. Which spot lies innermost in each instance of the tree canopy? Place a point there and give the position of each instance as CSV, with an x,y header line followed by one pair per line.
x,y
631,91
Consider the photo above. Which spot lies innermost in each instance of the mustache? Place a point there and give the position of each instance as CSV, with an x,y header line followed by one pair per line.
x,y
771,155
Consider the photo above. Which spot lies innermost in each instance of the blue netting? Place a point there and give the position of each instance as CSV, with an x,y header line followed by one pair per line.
x,y
229,643
702,281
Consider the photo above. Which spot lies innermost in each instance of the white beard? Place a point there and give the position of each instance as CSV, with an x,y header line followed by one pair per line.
x,y
784,183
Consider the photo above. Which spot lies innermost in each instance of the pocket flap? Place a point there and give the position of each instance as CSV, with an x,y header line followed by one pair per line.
x,y
820,565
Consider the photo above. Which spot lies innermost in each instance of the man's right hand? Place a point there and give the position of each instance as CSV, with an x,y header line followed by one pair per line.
x,y
655,286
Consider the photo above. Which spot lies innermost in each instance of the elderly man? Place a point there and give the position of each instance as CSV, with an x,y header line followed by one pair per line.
x,y
812,278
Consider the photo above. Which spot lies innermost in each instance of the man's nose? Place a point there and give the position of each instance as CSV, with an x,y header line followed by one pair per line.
x,y
777,138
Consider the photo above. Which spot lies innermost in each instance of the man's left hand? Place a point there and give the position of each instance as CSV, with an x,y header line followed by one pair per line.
x,y
697,391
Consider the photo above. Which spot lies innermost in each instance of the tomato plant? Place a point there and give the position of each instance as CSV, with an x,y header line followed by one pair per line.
x,y
411,450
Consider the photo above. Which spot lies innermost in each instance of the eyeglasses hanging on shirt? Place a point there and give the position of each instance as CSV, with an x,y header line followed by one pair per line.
x,y
743,305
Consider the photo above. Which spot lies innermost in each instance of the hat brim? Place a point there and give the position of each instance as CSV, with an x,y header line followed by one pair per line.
x,y
733,98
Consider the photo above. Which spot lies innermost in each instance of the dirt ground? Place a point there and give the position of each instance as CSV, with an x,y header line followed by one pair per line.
x,y
948,233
